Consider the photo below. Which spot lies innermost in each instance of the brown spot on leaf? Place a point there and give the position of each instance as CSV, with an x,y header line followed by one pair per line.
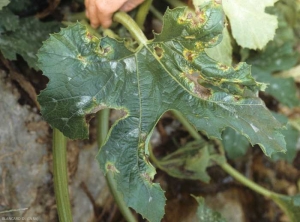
x,y
110,167
82,59
213,41
89,36
147,177
158,51
106,50
189,15
223,67
237,98
189,55
200,90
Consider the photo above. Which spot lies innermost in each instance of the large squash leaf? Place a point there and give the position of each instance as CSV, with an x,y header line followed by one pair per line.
x,y
171,72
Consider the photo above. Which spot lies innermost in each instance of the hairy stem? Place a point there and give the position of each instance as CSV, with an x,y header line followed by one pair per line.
x,y
102,130
60,176
142,13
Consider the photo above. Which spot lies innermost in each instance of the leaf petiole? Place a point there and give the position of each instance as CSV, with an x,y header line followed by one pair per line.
x,y
131,26
142,13
60,176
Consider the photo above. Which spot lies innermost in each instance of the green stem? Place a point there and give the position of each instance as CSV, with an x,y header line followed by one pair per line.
x,y
102,126
142,13
175,3
242,179
194,133
90,29
60,176
156,13
225,166
102,130
231,171
131,26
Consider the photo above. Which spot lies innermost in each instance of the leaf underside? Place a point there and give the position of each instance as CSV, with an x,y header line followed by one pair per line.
x,y
170,72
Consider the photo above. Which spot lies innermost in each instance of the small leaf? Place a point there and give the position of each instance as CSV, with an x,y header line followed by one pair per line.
x,y
251,26
205,214
191,161
235,144
290,205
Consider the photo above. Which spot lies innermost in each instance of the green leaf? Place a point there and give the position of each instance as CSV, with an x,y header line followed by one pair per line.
x,y
171,72
191,161
223,51
235,144
278,55
3,3
23,6
291,137
205,214
24,37
251,26
8,21
290,205
276,58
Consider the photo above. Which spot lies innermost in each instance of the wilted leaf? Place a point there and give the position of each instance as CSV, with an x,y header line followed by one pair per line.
x,y
171,72
251,26
23,37
235,144
205,214
290,205
191,161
